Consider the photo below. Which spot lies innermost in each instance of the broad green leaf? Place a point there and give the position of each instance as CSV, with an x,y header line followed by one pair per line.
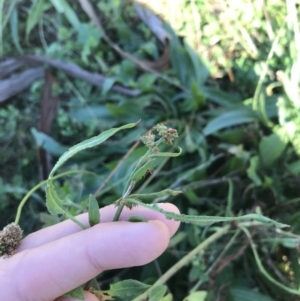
x,y
55,204
127,288
48,143
246,294
295,167
94,141
76,293
137,219
208,220
157,292
107,85
94,213
270,149
168,297
231,118
196,296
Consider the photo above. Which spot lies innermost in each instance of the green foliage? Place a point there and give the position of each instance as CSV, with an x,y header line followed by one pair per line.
x,y
231,90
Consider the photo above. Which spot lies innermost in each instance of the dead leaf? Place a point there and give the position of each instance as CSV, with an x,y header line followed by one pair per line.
x,y
74,70
9,66
154,23
19,82
48,112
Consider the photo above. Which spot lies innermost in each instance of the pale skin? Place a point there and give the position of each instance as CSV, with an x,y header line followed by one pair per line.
x,y
54,260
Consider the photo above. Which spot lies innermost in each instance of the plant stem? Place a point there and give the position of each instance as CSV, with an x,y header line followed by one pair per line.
x,y
186,259
229,244
32,190
118,212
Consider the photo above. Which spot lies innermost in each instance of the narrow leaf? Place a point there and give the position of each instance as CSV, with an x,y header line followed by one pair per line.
x,y
141,172
94,141
157,194
35,12
208,220
137,219
233,117
167,154
94,213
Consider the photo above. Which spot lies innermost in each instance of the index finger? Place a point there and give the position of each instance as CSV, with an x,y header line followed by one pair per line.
x,y
68,227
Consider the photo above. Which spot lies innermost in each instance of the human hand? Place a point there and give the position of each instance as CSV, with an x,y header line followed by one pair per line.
x,y
55,260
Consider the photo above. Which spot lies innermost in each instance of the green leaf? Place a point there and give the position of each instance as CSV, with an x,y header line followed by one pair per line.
x,y
62,6
14,23
246,294
252,171
141,172
94,141
196,296
34,15
157,292
208,220
231,118
76,293
137,219
270,149
168,297
127,288
94,213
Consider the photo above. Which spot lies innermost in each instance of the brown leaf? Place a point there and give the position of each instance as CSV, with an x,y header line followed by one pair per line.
x,y
47,115
9,66
19,82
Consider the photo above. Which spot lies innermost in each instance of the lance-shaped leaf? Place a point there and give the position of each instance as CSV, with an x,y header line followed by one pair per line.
x,y
167,154
157,194
94,141
141,171
208,220
94,213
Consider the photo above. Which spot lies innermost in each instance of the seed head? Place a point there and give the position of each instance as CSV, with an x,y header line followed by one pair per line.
x,y
10,237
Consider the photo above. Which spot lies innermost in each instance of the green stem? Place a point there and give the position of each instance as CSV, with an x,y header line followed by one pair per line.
x,y
261,267
182,262
31,191
118,212
148,153
231,241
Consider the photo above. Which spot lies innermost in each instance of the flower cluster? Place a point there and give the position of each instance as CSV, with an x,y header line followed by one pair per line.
x,y
10,237
168,134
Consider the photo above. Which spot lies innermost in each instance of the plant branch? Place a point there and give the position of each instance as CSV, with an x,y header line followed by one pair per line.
x,y
186,259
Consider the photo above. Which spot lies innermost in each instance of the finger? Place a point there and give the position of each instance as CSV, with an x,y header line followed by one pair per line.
x,y
47,272
88,297
68,227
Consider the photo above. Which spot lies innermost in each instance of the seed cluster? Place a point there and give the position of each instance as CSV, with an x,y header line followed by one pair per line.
x,y
10,237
